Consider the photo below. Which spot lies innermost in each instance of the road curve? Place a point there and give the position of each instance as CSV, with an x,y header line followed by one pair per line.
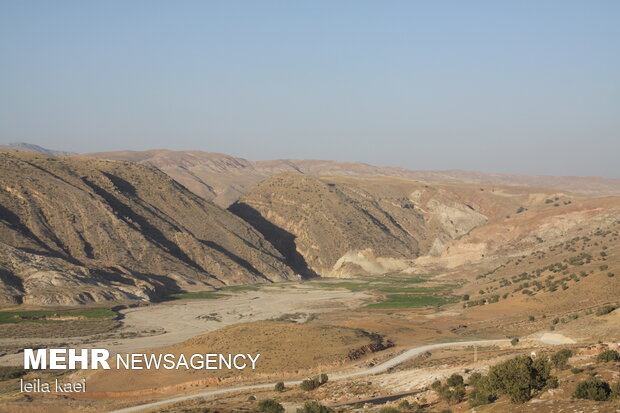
x,y
379,368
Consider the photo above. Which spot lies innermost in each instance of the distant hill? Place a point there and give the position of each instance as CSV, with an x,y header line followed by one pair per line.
x,y
29,147
224,178
78,230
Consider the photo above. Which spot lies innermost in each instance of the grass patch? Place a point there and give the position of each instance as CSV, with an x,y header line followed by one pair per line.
x,y
51,316
349,285
409,301
411,289
198,295
236,288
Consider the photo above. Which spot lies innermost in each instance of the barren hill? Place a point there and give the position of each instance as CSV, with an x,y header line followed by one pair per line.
x,y
224,178
75,230
344,226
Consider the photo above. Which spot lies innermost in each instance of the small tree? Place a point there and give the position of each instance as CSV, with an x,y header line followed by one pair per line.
x,y
279,387
518,378
560,359
270,406
455,380
592,389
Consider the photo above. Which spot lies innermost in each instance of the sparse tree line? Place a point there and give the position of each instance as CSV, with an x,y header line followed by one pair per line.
x,y
522,378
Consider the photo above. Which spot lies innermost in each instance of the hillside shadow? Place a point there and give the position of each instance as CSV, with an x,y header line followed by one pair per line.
x,y
141,224
281,239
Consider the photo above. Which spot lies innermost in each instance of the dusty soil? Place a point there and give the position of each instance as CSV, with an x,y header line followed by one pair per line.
x,y
177,321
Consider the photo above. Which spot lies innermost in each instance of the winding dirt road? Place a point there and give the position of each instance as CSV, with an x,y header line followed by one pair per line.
x,y
380,368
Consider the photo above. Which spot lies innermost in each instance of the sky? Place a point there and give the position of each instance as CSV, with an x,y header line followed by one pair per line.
x,y
529,87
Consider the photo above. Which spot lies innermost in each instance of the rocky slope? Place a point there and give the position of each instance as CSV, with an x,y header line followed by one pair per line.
x,y
224,178
76,230
336,226
343,226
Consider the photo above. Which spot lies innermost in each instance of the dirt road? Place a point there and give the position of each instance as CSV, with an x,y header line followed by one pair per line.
x,y
380,368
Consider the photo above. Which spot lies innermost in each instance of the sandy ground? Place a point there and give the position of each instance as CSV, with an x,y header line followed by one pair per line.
x,y
184,319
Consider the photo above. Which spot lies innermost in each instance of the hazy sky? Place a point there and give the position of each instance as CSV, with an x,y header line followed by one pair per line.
x,y
498,86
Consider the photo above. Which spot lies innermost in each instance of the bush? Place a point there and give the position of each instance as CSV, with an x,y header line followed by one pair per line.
x,y
323,378
514,341
309,384
531,318
473,378
279,387
270,406
560,359
251,398
615,391
592,389
11,372
605,310
455,380
518,378
388,410
480,398
608,355
314,407
436,385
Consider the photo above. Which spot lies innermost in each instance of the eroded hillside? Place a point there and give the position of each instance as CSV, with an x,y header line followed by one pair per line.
x,y
343,226
76,230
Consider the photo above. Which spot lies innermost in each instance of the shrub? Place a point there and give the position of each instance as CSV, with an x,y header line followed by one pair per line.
x,y
519,377
514,341
405,405
11,372
436,385
279,387
592,389
270,406
615,391
605,310
323,378
479,398
531,318
251,398
314,407
473,378
560,358
608,355
388,410
455,380
309,384
576,370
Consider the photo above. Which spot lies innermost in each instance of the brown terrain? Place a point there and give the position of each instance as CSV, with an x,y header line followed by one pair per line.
x,y
224,178
78,230
411,260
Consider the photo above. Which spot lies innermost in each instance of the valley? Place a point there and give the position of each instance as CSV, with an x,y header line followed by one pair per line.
x,y
384,283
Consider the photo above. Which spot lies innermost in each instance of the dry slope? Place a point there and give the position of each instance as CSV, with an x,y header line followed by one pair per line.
x,y
76,230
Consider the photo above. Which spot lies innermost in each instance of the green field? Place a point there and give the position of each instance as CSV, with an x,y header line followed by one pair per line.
x,y
43,316
409,301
